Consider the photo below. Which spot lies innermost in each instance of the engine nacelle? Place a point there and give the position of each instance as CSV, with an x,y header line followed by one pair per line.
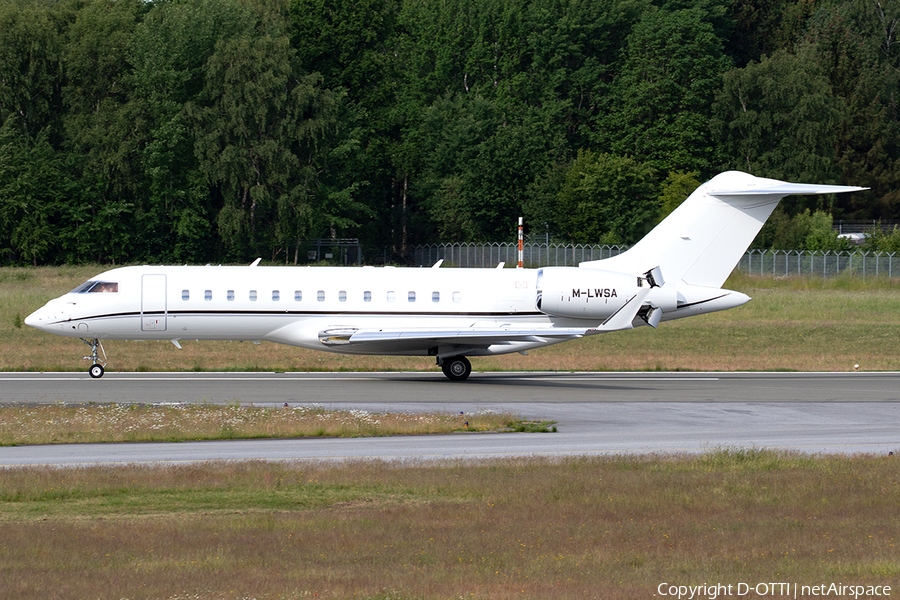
x,y
584,293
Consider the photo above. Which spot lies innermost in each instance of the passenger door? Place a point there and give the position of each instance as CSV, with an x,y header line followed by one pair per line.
x,y
153,303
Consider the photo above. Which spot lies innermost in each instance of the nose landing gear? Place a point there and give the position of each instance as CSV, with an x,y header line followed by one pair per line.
x,y
96,370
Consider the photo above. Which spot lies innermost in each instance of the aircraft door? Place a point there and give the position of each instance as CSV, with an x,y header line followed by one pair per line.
x,y
153,303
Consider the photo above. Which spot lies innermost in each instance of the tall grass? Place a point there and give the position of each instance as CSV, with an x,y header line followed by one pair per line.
x,y
611,527
791,324
112,422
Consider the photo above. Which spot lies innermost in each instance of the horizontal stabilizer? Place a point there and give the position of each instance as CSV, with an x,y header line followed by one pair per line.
x,y
786,189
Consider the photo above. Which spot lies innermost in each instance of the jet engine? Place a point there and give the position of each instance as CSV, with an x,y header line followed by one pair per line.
x,y
584,293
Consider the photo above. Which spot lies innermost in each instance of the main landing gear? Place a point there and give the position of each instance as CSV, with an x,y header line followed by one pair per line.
x,y
96,371
456,368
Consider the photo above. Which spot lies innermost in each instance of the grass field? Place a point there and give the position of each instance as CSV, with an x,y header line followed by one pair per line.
x,y
115,422
611,528
791,324
603,527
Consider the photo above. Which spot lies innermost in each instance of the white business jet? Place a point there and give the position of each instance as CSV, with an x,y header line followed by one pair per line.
x,y
676,271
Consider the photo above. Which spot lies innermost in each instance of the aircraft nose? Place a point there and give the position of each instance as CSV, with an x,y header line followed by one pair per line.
x,y
44,318
34,319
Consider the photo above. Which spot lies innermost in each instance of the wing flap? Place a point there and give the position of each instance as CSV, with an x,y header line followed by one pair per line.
x,y
469,337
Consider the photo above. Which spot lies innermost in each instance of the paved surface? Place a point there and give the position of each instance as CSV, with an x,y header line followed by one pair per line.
x,y
597,413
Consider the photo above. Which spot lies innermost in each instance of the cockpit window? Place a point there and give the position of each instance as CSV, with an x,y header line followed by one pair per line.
x,y
91,287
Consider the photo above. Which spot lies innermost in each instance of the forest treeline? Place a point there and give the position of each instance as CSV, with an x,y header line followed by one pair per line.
x,y
201,130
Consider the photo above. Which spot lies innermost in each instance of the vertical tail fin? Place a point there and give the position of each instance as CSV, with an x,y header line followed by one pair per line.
x,y
703,239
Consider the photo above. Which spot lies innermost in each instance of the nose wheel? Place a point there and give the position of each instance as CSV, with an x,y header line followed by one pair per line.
x,y
456,368
96,370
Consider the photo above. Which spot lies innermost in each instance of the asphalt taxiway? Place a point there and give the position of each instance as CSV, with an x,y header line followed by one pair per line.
x,y
596,413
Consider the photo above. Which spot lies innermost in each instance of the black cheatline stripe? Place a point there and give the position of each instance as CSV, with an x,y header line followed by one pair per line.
x,y
699,302
268,313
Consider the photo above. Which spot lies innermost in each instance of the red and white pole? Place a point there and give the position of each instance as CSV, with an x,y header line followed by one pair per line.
x,y
521,248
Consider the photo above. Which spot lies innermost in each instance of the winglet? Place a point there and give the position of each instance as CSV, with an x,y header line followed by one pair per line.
x,y
255,262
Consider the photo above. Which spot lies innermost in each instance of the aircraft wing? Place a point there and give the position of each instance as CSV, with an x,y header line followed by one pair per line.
x,y
479,336
365,336
469,337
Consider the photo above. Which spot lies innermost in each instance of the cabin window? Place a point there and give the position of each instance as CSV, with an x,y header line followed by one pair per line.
x,y
320,295
230,295
457,297
411,296
185,294
342,296
207,295
276,295
83,287
298,295
252,295
367,296
390,296
435,296
94,287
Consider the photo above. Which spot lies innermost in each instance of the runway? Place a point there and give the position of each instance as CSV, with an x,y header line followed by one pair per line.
x,y
596,413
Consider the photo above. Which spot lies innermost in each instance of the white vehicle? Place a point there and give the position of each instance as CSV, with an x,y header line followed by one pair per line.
x,y
676,271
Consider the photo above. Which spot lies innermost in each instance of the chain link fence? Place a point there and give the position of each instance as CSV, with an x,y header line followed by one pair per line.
x,y
534,255
787,263
775,263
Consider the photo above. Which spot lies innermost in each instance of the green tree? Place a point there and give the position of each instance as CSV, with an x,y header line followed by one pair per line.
x,y
31,184
806,230
778,118
572,56
607,199
258,123
820,235
856,41
100,117
675,190
30,65
478,166
763,27
880,240
169,54
353,45
672,69
349,44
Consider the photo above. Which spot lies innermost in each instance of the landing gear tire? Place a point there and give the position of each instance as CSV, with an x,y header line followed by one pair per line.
x,y
96,370
457,368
